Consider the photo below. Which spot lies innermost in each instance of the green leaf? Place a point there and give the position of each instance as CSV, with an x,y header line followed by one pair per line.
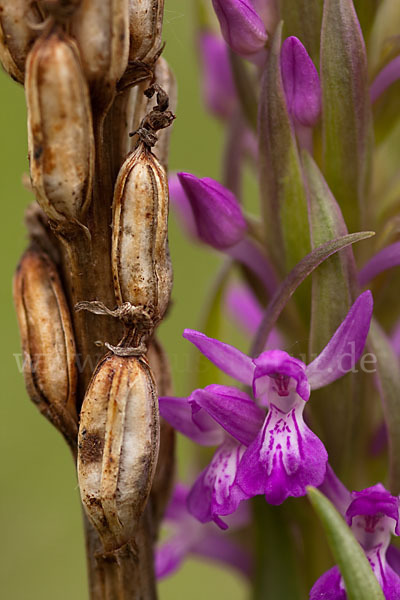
x,y
245,88
384,42
303,19
297,275
346,115
359,579
334,279
388,374
283,197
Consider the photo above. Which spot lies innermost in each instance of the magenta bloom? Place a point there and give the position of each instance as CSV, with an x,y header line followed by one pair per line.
x,y
189,537
301,83
274,454
217,213
373,515
218,87
241,26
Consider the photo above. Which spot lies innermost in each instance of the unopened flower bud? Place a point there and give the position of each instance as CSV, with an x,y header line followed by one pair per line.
x,y
241,26
145,29
218,86
60,132
47,341
17,35
217,213
301,83
118,447
140,258
101,28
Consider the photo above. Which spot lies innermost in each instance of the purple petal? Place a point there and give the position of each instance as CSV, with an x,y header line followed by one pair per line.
x,y
395,338
223,549
301,83
387,258
234,410
217,213
389,74
393,558
181,205
345,347
391,584
241,26
280,367
215,492
170,554
335,490
285,457
178,412
373,501
244,307
329,586
176,509
218,87
227,358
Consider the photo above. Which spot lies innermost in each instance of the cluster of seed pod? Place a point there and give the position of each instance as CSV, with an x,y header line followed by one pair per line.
x,y
78,60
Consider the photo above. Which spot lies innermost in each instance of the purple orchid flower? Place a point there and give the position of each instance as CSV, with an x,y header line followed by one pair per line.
x,y
189,537
241,27
218,86
301,83
274,454
373,515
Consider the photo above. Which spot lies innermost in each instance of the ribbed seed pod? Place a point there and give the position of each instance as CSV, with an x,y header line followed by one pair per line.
x,y
118,447
164,475
140,259
101,28
145,29
16,35
47,341
60,131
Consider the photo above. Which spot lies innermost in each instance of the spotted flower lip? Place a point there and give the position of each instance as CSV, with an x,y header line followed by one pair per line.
x,y
373,515
241,26
275,454
301,83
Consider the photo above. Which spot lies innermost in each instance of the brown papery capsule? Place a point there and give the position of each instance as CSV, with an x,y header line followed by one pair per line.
x,y
118,447
101,28
17,35
140,258
165,471
60,131
47,341
145,29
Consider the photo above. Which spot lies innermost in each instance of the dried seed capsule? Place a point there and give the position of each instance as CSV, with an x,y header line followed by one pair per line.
x,y
60,9
16,35
165,78
60,132
118,447
145,29
140,258
164,475
101,28
47,341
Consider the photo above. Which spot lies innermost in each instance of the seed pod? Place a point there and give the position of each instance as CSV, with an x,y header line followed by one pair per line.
x,y
60,132
101,28
165,78
140,258
118,447
60,9
47,341
16,35
164,475
145,29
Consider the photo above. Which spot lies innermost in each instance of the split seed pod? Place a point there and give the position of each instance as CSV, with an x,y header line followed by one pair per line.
x,y
47,341
145,29
60,131
118,447
16,35
140,258
101,28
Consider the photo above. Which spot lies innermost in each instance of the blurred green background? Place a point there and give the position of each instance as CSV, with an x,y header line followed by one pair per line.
x,y
42,548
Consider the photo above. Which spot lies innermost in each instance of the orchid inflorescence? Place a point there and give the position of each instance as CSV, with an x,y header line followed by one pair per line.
x,y
301,104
